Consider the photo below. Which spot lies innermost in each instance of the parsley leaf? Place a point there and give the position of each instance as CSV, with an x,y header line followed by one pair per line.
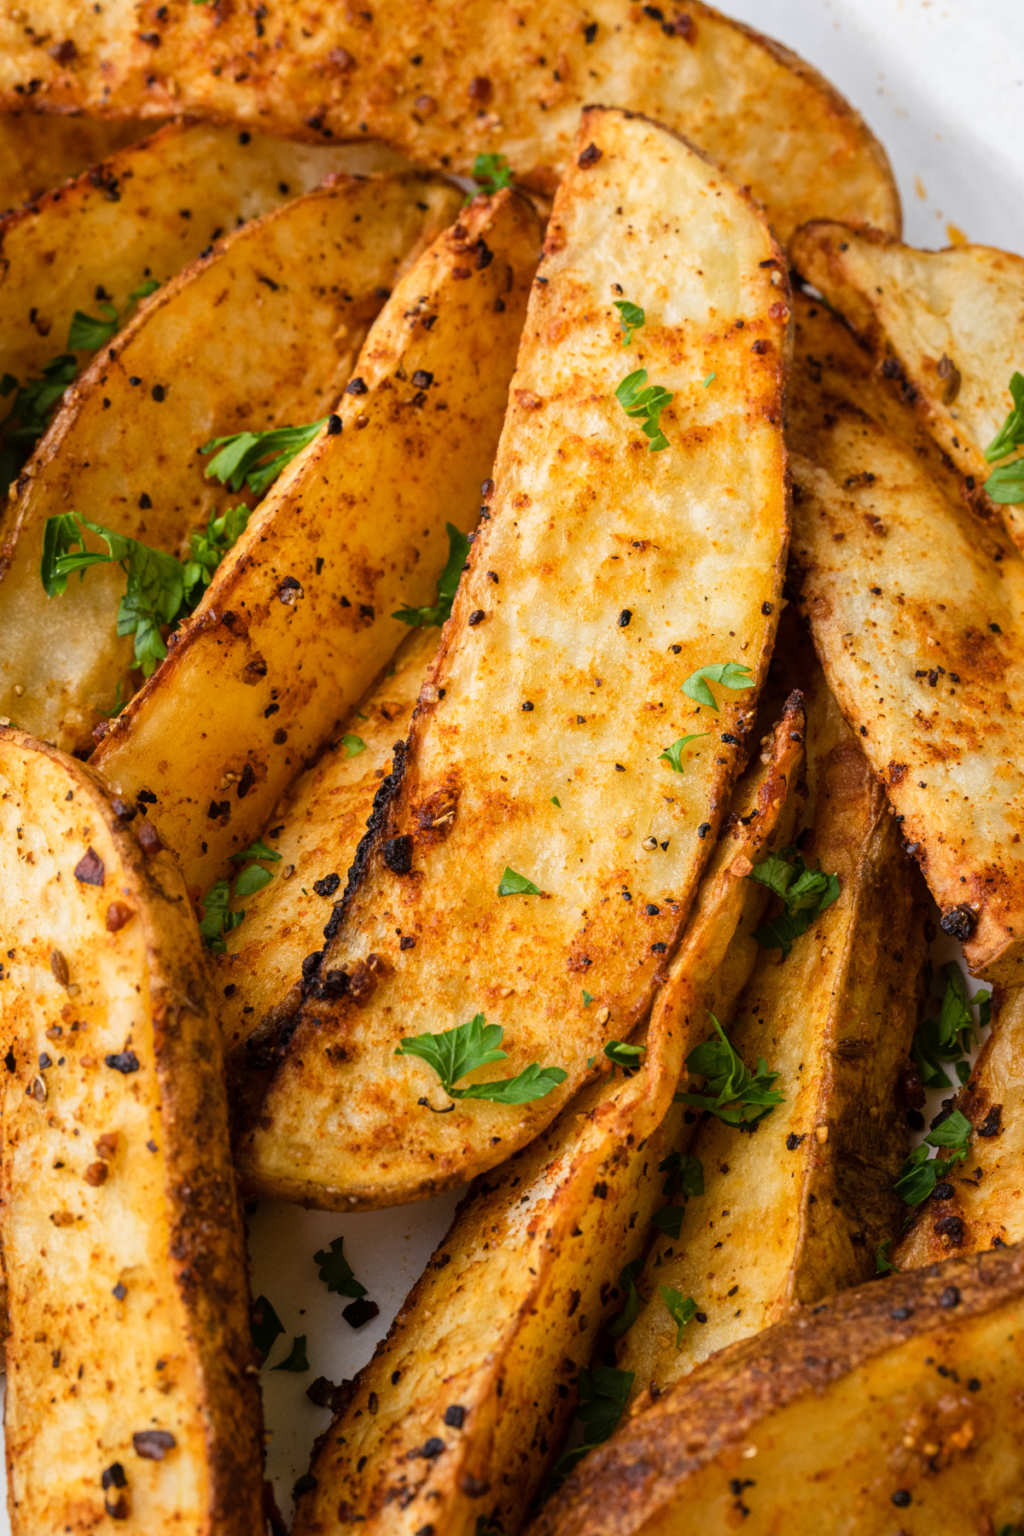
x,y
627,1317
729,674
353,745
217,918
883,1264
512,884
685,1173
252,879
673,754
29,416
731,1091
257,458
87,334
645,404
555,801
949,1037
706,383
806,893
447,585
604,1393
258,850
631,318
625,1056
681,1309
1011,433
587,997
491,173
1005,485
669,1219
336,1272
296,1361
208,549
919,1176
266,1326
455,1052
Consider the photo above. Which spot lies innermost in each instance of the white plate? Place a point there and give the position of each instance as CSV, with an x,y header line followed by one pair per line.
x,y
942,84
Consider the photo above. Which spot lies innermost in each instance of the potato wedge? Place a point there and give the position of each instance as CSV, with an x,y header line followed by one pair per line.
x,y
895,1406
795,1208
38,151
550,700
131,1384
252,336
146,212
945,327
321,821
443,82
916,610
514,1298
986,1208
299,617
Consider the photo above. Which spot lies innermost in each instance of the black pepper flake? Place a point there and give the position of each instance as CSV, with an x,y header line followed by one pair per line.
x,y
421,379
651,910
527,706
767,608
367,611
659,949
113,1476
304,1484
134,380
123,1061
153,1444
990,1126
272,709
901,1498
10,1063
958,922
398,854
356,387
675,649
455,1416
704,829
407,942
145,502
624,618
943,1191
950,1297
333,425
733,741
974,1385
120,1291
326,887
476,617
158,392
246,782
601,1191
793,1141
358,1313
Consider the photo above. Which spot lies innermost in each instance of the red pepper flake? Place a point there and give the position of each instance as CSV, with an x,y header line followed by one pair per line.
x,y
96,1174
153,1444
590,156
89,869
480,90
118,914
149,839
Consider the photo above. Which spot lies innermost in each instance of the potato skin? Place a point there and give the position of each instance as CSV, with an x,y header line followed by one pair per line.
x,y
121,1233
38,152
895,1404
445,82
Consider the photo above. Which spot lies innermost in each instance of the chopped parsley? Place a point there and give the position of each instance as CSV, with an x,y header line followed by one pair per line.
x,y
919,1176
555,801
336,1272
296,1360
736,1095
625,1056
806,893
681,1309
686,1178
604,1393
447,585
628,1316
673,754
646,405
266,1326
512,884
87,333
258,850
455,1052
491,173
949,1037
29,416
256,459
218,919
728,674
587,997
353,745
1005,484
883,1264
631,318
706,384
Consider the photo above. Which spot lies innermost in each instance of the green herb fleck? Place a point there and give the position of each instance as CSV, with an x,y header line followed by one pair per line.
x,y
266,1326
631,318
447,585
1005,485
296,1361
604,1393
627,1317
587,997
353,745
731,1091
87,334
625,1056
453,1053
512,884
251,880
883,1264
491,173
673,754
258,850
949,1038
806,893
119,704
645,405
555,801
709,380
681,1309
257,458
29,416
729,674
669,1219
685,1174
336,1272
919,1176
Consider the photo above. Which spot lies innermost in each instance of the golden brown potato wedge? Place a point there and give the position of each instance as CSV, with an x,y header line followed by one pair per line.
x,y
944,326
893,1407
484,1355
916,610
259,333
605,576
146,212
445,82
130,1369
795,1208
299,618
38,151
320,820
986,1207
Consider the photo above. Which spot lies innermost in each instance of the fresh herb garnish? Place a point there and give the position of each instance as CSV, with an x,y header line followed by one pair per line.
x,y
685,1174
87,334
119,704
218,919
257,458
336,1272
883,1264
709,380
729,674
1005,485
919,1176
491,173
555,801
949,1037
258,850
806,893
587,997
30,414
645,405
447,585
731,1091
296,1360
266,1326
625,1056
627,1317
604,1393
353,745
455,1052
673,754
669,1220
631,318
512,884
681,1309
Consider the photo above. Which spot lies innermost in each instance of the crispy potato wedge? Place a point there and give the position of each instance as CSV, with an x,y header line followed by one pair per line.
x,y
38,151
299,618
322,819
513,1300
986,1209
895,1406
445,82
146,212
620,572
916,611
795,1209
257,334
130,1367
944,326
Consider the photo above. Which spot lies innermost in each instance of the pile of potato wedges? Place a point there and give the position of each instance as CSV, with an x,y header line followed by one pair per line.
x,y
511,676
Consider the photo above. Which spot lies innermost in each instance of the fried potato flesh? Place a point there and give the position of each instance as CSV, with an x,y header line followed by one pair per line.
x,y
127,1393
620,572
446,80
916,610
898,1396
261,333
299,618
945,325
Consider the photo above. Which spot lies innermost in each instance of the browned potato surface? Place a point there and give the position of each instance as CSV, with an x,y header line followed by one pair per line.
x,y
795,1209
131,1395
513,1300
916,609
895,1407
260,333
945,326
299,618
446,81
986,1207
38,151
603,576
